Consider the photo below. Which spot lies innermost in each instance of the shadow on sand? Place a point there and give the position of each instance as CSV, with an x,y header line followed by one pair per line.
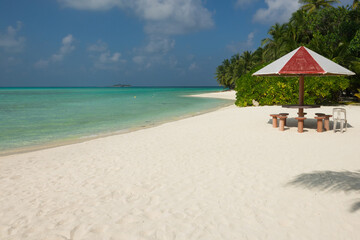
x,y
308,124
330,181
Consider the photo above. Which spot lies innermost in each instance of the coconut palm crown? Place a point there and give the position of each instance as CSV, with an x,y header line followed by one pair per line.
x,y
313,5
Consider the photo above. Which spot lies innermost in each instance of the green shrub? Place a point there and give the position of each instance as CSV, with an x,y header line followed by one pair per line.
x,y
358,94
285,90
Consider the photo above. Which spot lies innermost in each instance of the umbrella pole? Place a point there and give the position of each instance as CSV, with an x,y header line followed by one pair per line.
x,y
301,95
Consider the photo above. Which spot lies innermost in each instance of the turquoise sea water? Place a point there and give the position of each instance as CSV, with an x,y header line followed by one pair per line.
x,y
33,117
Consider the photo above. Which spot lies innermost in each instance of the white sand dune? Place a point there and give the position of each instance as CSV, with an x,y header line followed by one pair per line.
x,y
222,175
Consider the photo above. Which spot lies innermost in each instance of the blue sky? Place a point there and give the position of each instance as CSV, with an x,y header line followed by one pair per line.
x,y
138,42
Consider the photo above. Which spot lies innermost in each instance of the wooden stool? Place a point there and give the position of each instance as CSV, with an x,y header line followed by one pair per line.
x,y
319,123
274,119
282,122
303,113
284,114
326,122
300,124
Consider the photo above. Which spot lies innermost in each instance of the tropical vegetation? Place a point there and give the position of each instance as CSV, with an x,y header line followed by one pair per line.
x,y
358,94
314,5
329,31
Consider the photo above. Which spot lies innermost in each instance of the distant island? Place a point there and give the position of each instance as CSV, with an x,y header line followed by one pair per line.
x,y
121,85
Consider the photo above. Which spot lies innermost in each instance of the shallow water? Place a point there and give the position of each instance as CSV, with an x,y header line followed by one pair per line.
x,y
38,116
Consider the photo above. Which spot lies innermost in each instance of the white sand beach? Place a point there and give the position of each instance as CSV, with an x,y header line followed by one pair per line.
x,y
226,174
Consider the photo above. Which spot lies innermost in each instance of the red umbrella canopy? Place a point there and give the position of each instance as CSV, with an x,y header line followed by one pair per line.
x,y
303,61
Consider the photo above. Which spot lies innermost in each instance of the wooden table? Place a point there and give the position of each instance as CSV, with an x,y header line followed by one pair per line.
x,y
301,108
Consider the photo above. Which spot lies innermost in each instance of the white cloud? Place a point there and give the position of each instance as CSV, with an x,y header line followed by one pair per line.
x,y
107,57
250,38
193,66
162,19
277,11
104,58
42,63
160,45
161,16
10,41
100,46
94,5
155,52
172,17
66,48
138,59
242,46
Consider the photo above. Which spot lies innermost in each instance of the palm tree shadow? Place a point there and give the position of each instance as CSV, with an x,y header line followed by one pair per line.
x,y
355,207
331,181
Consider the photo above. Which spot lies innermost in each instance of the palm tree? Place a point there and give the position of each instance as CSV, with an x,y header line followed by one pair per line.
x,y
220,75
227,73
358,94
247,59
235,59
258,56
298,29
355,4
343,57
313,5
236,68
277,45
298,18
292,36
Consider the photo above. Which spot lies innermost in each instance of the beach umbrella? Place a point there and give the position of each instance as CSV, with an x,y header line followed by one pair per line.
x,y
303,62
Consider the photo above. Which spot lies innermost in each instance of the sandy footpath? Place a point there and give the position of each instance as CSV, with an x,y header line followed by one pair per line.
x,y
222,175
